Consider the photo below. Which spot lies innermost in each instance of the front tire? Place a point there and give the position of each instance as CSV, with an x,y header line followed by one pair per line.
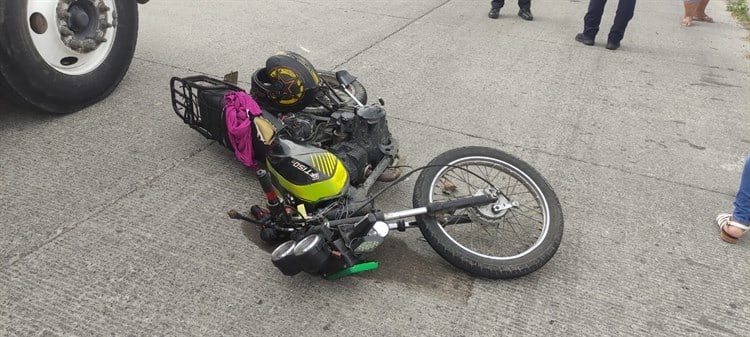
x,y
62,56
512,241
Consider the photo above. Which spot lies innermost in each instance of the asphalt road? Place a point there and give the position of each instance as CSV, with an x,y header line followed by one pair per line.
x,y
112,219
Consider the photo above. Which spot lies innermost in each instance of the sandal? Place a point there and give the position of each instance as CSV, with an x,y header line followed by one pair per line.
x,y
687,21
724,220
704,18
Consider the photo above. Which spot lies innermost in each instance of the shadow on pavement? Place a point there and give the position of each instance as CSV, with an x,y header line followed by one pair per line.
x,y
398,263
16,117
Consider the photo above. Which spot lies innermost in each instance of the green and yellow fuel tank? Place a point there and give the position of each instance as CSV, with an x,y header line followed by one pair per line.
x,y
308,173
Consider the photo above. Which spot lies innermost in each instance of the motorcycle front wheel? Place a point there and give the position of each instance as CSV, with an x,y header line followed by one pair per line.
x,y
511,240
332,96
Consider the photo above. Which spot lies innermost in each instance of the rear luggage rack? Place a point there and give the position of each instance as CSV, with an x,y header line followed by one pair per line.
x,y
206,117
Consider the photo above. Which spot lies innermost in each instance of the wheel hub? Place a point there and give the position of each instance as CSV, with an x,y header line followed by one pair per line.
x,y
83,23
79,19
489,213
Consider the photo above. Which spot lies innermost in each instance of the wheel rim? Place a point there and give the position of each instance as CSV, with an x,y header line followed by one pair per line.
x,y
508,234
72,36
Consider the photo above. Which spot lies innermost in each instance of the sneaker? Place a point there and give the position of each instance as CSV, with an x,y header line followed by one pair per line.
x,y
494,13
589,41
525,14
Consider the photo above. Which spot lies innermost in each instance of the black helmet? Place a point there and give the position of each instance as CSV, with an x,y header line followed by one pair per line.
x,y
287,83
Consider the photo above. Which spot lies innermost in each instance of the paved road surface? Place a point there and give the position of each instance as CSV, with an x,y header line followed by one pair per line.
x,y
112,219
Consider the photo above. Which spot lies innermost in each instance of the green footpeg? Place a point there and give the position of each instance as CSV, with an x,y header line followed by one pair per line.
x,y
355,269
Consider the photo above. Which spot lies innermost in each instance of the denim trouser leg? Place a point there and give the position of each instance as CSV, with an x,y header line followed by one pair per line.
x,y
593,18
624,13
524,4
742,201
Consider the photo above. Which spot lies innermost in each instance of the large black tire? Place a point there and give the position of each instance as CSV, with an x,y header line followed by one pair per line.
x,y
338,98
39,69
505,244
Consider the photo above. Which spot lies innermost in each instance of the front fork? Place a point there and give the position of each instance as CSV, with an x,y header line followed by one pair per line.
x,y
364,224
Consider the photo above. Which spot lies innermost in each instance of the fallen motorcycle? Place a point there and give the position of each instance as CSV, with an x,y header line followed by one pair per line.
x,y
481,209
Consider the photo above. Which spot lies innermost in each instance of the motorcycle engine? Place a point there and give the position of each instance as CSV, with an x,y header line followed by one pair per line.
x,y
366,140
299,127
358,137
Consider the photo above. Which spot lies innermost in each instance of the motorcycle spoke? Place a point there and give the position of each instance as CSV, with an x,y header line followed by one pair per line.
x,y
496,240
507,235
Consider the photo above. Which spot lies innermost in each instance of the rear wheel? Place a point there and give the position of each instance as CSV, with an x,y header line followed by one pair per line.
x,y
61,56
332,96
514,238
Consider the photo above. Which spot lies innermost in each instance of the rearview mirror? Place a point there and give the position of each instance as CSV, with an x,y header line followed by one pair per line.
x,y
345,78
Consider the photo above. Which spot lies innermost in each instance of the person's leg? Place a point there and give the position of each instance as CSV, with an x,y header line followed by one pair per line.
x,y
624,13
593,18
734,225
742,201
690,7
495,8
524,10
700,12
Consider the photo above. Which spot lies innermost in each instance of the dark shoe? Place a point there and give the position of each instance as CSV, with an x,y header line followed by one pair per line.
x,y
494,13
612,45
525,14
589,41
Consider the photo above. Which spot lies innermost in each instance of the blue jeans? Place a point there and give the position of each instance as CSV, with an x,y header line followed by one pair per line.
x,y
522,4
593,18
742,201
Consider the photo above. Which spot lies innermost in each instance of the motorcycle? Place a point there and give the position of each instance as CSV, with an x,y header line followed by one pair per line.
x,y
483,210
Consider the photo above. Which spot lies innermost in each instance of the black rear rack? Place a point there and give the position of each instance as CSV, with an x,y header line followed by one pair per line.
x,y
204,117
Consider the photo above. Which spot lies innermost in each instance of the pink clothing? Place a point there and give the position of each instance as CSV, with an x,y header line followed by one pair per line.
x,y
240,109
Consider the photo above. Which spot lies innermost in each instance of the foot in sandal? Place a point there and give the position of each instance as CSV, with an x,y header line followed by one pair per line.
x,y
704,18
730,230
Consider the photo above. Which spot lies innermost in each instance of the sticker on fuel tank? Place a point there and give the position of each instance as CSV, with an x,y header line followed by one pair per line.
x,y
306,170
